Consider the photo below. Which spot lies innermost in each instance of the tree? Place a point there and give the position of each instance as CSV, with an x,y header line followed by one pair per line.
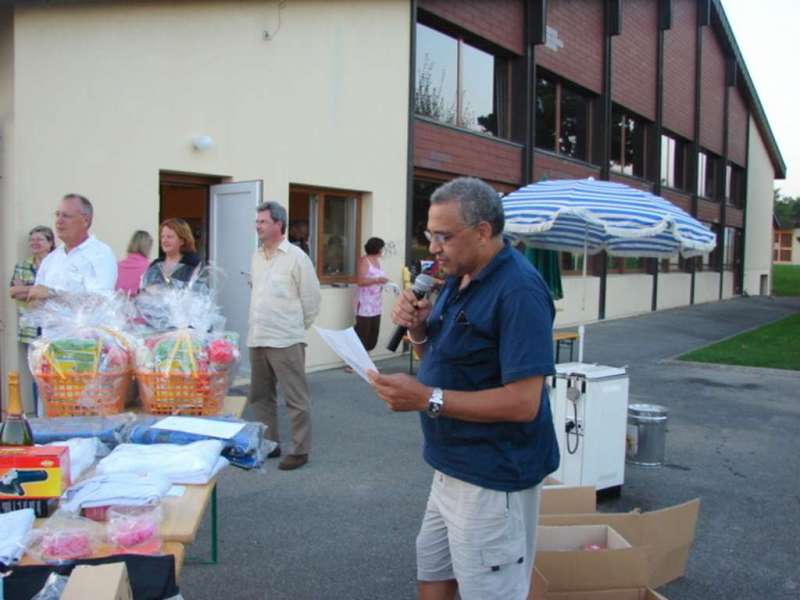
x,y
787,209
428,98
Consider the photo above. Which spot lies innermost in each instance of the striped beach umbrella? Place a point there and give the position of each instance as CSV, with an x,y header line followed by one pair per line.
x,y
588,216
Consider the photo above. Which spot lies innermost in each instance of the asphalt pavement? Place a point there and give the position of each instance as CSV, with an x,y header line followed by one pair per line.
x,y
343,526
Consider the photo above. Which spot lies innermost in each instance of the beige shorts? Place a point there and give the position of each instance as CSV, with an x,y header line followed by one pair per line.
x,y
484,539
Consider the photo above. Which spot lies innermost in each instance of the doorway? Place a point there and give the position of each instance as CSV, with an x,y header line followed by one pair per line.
x,y
221,215
186,196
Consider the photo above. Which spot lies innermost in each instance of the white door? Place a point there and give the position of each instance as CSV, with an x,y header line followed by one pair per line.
x,y
232,243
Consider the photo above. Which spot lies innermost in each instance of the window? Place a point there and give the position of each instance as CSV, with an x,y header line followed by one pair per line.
x,y
782,246
572,263
628,143
710,261
459,84
627,264
731,245
562,118
673,162
674,264
734,186
707,165
326,224
423,189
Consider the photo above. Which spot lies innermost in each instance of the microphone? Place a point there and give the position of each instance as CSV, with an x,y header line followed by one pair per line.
x,y
422,285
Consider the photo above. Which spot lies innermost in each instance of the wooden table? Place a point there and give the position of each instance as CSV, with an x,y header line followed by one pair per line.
x,y
182,515
174,548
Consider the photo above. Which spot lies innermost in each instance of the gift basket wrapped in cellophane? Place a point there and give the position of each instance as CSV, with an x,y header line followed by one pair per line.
x,y
185,363
82,363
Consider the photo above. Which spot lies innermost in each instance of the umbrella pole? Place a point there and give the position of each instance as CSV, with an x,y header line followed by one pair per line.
x,y
581,328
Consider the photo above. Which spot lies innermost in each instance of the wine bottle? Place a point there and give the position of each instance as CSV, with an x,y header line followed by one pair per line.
x,y
15,430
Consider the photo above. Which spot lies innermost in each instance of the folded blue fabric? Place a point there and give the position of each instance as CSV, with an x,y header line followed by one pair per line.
x,y
59,429
247,449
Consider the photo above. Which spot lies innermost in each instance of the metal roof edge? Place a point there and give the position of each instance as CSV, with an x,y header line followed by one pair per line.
x,y
758,109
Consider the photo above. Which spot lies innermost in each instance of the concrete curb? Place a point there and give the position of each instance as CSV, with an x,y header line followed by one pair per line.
x,y
791,374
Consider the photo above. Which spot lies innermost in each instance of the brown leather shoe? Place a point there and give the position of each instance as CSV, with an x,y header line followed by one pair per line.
x,y
293,461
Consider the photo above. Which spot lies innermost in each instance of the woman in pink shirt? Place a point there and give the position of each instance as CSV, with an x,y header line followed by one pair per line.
x,y
131,269
369,299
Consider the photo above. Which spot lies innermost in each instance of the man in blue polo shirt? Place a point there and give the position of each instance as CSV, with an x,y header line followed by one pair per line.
x,y
487,347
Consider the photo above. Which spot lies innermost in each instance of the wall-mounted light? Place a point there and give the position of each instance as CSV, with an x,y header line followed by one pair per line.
x,y
202,142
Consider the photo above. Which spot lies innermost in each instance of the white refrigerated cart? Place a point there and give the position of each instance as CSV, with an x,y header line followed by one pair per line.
x,y
590,405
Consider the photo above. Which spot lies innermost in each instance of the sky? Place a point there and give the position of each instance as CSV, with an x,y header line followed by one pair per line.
x,y
766,34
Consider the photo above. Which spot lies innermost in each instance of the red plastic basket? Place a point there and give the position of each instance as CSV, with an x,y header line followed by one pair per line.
x,y
83,394
182,393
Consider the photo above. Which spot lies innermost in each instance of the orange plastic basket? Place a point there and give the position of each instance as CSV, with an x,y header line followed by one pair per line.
x,y
183,393
83,394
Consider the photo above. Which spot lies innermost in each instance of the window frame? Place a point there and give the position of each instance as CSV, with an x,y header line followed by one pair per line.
x,y
677,163
317,207
646,127
559,85
501,76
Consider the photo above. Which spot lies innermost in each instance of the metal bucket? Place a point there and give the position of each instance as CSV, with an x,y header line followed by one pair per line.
x,y
647,434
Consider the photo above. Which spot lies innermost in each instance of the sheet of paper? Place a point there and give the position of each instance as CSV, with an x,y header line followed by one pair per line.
x,y
176,490
349,348
209,427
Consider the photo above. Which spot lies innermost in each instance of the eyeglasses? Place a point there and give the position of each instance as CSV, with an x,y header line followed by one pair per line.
x,y
442,238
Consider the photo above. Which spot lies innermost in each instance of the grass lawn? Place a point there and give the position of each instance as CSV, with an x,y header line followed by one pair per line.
x,y
786,280
776,346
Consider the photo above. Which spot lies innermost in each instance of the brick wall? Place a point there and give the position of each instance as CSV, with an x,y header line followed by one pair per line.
x,y
579,27
633,58
456,152
734,217
712,96
549,166
499,21
737,128
708,211
683,201
679,50
633,182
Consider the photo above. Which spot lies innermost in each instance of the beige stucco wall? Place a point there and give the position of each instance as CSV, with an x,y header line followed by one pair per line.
x,y
706,286
758,223
727,284
570,309
674,289
627,295
107,95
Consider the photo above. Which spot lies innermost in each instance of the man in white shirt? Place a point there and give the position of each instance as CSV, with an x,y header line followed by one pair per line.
x,y
284,302
82,263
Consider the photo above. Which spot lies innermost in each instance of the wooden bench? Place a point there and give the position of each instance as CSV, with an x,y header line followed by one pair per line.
x,y
567,338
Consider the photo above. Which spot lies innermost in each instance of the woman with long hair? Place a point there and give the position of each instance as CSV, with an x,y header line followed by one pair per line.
x,y
180,260
131,268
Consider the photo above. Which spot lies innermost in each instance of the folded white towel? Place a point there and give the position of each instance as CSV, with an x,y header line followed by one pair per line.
x,y
14,529
115,489
82,454
194,463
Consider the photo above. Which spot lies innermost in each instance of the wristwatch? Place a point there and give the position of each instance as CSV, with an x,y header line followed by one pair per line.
x,y
435,403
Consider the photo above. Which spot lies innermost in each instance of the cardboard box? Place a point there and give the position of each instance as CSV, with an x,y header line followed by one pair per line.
x,y
539,591
33,471
559,499
663,536
99,582
567,567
